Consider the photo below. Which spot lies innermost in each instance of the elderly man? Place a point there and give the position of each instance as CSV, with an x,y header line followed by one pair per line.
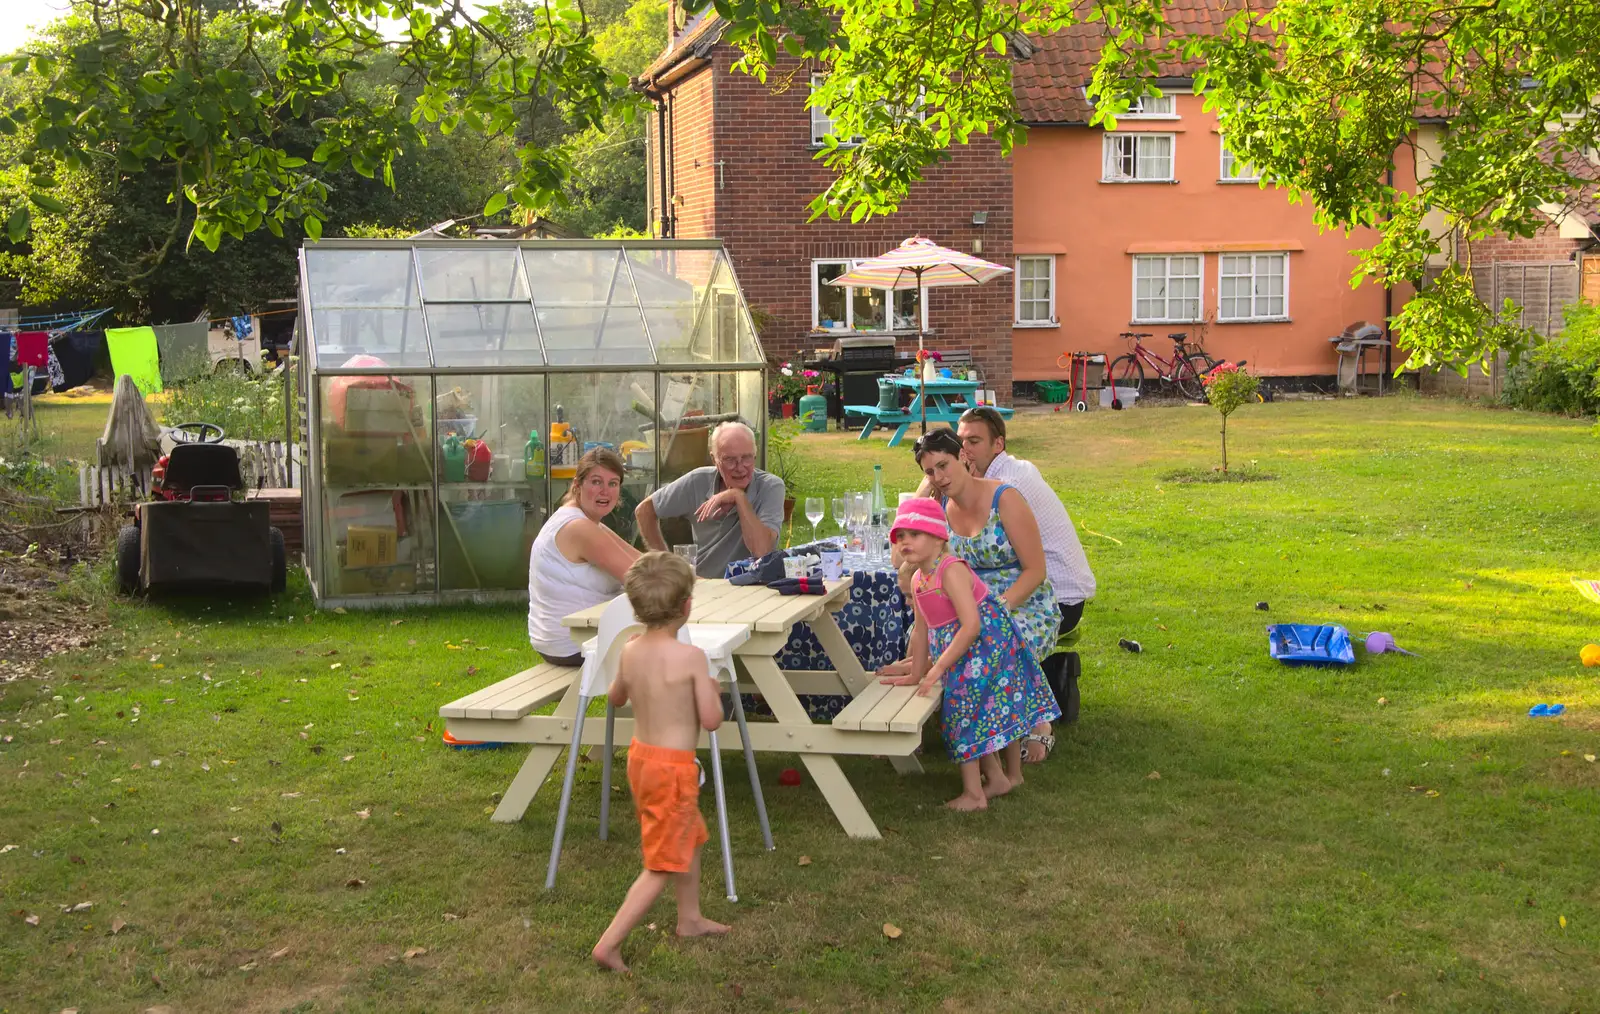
x,y
983,446
736,509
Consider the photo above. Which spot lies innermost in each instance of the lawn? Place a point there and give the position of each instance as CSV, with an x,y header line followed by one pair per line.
x,y
255,800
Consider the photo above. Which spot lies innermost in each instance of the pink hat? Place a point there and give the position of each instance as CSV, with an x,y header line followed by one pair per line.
x,y
920,514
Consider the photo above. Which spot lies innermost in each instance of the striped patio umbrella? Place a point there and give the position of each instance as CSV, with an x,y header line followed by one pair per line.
x,y
920,263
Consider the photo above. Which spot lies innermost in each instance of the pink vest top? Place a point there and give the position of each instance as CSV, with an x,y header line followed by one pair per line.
x,y
934,604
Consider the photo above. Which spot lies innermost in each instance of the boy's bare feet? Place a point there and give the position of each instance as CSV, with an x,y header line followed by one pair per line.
x,y
966,804
701,927
611,961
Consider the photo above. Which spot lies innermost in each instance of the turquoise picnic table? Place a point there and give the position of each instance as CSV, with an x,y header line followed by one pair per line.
x,y
946,399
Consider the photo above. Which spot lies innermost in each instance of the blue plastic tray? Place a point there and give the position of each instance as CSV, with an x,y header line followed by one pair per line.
x,y
1310,644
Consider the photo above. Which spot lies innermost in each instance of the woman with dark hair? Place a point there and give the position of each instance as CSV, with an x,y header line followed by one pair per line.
x,y
994,531
577,562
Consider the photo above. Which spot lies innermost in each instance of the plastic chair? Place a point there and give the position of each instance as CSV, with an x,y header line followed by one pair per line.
x,y
601,653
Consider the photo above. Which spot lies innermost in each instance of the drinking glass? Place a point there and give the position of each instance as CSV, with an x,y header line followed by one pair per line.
x,y
838,512
860,513
688,551
814,514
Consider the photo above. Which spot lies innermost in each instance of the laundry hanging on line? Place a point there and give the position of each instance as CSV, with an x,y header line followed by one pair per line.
x,y
133,352
33,348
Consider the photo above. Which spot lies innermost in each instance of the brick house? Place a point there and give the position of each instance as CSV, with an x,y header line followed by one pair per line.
x,y
737,165
1150,227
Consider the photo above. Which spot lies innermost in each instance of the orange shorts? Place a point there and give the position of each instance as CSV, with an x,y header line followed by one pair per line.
x,y
666,792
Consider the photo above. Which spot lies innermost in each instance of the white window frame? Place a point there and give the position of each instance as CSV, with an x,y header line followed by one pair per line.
x,y
1017,319
1255,257
1226,155
1140,108
822,123
1113,141
1200,289
850,302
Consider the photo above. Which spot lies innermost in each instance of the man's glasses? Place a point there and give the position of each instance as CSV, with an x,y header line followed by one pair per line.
x,y
742,461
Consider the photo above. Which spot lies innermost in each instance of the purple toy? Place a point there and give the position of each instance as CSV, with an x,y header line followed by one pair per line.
x,y
1379,642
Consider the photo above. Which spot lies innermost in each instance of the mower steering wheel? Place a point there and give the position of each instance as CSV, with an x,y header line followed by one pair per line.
x,y
200,430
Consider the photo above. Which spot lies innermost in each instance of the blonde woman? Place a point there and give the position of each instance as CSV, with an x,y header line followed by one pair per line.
x,y
577,562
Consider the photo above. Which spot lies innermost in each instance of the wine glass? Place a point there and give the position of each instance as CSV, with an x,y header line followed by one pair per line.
x,y
838,512
814,514
860,514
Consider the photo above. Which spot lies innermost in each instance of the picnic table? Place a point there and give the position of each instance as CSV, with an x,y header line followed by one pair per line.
x,y
946,399
880,720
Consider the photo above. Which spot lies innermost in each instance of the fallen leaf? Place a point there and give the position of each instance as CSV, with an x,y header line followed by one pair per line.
x,y
472,670
8,848
247,966
283,953
451,917
395,623
338,609
117,926
82,906
805,860
336,665
162,1009
1589,757
1563,920
363,814
305,735
347,758
32,920
1383,702
1154,776
415,952
330,651
1432,793
234,841
288,795
339,852
736,989
891,931
275,827
355,882
77,860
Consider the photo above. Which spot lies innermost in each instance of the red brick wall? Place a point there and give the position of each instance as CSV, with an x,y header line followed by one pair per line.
x,y
758,208
1544,245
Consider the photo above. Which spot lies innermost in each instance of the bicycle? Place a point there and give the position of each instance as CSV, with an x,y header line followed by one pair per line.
x,y
1183,371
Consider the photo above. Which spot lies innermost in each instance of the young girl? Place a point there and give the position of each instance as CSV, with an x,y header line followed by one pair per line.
x,y
994,690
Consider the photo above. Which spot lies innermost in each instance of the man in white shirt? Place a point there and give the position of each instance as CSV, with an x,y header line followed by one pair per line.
x,y
983,447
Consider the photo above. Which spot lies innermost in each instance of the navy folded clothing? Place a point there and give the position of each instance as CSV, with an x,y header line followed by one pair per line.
x,y
768,568
798,586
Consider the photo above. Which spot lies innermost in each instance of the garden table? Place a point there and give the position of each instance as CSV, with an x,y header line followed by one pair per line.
x,y
946,399
881,720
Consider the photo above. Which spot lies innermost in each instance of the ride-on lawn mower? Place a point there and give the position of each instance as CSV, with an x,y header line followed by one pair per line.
x,y
193,535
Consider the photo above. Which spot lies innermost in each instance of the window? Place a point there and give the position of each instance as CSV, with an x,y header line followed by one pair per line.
x,y
1166,287
1153,107
1235,171
836,308
1036,290
1253,287
1138,158
821,122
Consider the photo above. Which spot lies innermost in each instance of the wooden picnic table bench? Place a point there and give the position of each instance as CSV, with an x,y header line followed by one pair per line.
x,y
881,721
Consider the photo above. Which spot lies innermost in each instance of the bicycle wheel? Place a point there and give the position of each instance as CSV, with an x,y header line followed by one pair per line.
x,y
1126,372
1187,378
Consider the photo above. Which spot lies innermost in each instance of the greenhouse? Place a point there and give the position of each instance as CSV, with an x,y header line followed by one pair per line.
x,y
451,386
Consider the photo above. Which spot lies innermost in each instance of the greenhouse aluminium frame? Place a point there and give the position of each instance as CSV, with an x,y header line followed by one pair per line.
x,y
647,317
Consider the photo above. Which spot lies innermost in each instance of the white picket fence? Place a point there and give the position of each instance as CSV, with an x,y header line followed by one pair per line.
x,y
269,464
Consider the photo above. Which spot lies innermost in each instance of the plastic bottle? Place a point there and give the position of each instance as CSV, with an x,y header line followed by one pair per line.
x,y
533,454
455,459
880,510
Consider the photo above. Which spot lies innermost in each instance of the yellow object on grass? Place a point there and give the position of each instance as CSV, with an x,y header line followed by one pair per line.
x,y
1590,654
1589,588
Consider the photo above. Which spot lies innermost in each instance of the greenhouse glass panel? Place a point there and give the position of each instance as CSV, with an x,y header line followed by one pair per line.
x,y
692,405
671,286
393,337
582,277
589,410
484,334
594,336
471,273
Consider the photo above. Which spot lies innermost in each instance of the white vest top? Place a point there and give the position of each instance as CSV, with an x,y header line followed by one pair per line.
x,y
558,587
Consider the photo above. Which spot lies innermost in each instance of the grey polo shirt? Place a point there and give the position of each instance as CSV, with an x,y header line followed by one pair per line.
x,y
719,542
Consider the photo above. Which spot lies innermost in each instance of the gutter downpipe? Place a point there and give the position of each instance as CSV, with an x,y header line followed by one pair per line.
x,y
1388,303
661,158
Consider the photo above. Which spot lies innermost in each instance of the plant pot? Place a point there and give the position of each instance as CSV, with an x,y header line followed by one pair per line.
x,y
930,370
788,509
788,410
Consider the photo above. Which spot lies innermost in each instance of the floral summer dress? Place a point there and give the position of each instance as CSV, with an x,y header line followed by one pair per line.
x,y
991,555
994,693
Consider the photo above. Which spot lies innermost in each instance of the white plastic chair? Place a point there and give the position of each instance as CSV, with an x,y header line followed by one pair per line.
x,y
601,653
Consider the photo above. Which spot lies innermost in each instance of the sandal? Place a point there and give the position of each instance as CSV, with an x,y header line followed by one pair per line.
x,y
1046,741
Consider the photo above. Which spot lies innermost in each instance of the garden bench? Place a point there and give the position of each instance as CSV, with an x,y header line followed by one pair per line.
x,y
515,696
884,707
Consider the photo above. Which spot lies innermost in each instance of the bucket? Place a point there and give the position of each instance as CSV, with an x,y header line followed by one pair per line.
x,y
1126,395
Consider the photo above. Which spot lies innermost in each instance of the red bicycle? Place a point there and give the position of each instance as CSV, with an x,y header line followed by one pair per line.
x,y
1183,371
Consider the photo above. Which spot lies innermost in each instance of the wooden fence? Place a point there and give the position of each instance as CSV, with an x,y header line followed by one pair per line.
x,y
269,464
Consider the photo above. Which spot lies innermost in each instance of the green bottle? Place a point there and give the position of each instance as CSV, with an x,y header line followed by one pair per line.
x,y
455,459
533,453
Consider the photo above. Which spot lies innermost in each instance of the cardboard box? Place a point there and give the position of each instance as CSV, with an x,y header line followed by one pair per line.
x,y
396,580
370,546
372,461
379,411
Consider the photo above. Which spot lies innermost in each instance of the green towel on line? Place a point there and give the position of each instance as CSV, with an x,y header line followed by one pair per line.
x,y
133,351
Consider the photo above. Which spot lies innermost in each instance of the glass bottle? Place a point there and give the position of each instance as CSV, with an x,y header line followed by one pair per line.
x,y
879,509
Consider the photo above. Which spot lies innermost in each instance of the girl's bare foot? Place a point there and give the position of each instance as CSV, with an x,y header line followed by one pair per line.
x,y
611,961
998,785
966,803
700,927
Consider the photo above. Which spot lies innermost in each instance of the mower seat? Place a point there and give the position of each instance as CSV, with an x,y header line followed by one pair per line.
x,y
191,465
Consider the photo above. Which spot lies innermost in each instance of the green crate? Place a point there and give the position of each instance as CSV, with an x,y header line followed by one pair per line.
x,y
1052,392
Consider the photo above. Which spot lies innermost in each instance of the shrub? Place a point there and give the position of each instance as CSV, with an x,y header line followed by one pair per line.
x,y
1561,375
247,407
1228,387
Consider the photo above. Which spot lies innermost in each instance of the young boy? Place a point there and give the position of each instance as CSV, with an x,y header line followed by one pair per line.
x,y
673,698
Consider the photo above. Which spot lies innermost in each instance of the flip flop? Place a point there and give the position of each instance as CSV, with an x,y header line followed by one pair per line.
x,y
1540,711
1556,709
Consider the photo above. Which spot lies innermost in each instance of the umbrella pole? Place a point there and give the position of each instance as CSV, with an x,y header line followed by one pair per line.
x,y
922,373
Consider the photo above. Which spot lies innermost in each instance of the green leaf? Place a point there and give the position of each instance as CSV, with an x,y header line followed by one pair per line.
x,y
44,202
313,227
17,225
495,204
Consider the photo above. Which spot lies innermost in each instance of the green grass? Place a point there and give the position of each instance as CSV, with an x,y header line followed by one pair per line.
x,y
1304,847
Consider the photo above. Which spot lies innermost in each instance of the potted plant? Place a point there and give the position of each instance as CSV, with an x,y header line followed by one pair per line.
x,y
929,360
787,385
783,462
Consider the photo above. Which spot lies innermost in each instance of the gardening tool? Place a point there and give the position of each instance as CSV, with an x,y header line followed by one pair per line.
x,y
1078,382
1379,642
